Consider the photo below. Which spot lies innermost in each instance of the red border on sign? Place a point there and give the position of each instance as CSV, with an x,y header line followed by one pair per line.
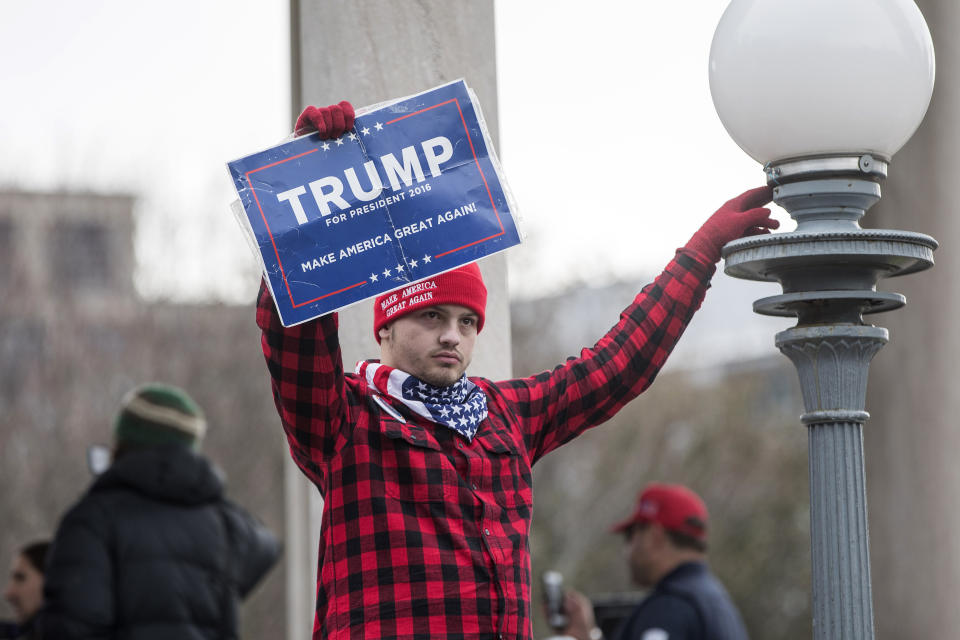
x,y
476,161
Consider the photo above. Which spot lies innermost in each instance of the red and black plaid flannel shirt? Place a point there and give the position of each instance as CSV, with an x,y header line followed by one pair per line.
x,y
426,535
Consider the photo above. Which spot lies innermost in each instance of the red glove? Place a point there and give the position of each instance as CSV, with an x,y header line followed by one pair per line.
x,y
331,122
740,217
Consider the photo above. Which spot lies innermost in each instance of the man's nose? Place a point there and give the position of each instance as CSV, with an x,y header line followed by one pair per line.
x,y
450,334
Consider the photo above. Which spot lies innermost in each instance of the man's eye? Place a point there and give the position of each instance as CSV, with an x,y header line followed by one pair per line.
x,y
468,321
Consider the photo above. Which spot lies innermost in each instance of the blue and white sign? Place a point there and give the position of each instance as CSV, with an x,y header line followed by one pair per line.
x,y
413,190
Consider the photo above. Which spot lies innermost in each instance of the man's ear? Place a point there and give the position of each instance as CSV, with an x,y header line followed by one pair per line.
x,y
384,333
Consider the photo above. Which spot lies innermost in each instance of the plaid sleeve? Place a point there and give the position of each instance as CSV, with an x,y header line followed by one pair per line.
x,y
555,406
307,377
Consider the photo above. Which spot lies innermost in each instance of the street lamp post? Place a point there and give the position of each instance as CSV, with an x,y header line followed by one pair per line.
x,y
823,93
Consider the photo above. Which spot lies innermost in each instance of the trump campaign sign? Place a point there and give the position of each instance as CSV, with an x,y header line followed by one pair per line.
x,y
413,190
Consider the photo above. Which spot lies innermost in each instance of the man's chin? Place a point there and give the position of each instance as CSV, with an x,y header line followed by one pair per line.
x,y
442,378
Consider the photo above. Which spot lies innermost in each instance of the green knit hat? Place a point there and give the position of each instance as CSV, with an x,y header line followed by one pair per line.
x,y
155,414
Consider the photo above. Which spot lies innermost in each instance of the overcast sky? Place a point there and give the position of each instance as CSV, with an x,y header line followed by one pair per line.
x,y
618,197
129,97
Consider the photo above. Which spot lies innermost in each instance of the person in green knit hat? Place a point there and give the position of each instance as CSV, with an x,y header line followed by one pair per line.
x,y
153,549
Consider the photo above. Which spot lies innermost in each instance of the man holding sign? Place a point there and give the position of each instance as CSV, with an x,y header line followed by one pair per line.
x,y
425,473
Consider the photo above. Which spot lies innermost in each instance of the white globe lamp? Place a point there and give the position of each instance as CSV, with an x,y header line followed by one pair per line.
x,y
796,78
823,93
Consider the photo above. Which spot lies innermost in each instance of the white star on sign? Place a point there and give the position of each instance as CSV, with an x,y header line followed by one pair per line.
x,y
413,263
373,277
399,268
444,412
456,409
426,259
339,142
378,126
386,273
353,136
326,146
365,131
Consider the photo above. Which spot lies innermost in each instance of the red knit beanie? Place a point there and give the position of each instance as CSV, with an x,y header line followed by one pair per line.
x,y
462,286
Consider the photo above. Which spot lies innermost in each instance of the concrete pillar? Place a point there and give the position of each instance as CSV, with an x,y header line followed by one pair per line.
x,y
911,440
367,51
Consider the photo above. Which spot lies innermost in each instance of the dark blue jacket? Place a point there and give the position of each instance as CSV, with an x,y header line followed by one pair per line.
x,y
687,604
13,631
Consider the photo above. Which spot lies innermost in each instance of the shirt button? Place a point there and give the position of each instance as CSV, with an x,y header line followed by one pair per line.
x,y
486,532
474,486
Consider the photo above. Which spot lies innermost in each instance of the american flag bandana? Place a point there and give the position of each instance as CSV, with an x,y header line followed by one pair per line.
x,y
461,406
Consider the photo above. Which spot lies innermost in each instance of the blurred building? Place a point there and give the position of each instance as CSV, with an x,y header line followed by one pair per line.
x,y
75,248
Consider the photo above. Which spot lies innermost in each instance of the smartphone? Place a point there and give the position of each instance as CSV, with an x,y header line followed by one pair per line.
x,y
553,598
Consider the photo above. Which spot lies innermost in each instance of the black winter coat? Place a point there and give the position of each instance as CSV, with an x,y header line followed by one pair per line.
x,y
154,551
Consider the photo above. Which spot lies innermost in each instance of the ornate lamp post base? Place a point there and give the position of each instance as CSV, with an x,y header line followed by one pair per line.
x,y
832,361
829,268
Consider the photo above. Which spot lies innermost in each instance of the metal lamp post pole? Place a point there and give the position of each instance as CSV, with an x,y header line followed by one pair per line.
x,y
829,268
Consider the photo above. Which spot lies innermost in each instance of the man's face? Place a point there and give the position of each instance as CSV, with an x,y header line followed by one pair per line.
x,y
641,552
24,591
434,344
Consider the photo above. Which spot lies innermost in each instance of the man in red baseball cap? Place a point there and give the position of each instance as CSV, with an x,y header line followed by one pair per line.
x,y
426,472
667,528
666,538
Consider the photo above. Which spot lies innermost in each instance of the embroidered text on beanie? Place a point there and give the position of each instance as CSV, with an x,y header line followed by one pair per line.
x,y
462,286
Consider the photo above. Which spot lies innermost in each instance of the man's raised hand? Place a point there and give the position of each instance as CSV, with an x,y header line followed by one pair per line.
x,y
742,216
